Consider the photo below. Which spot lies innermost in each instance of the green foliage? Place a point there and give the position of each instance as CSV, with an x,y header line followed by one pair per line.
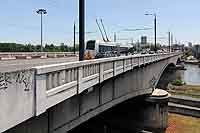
x,y
131,50
14,47
186,54
178,82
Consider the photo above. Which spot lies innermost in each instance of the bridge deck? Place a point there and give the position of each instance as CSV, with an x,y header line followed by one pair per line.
x,y
17,65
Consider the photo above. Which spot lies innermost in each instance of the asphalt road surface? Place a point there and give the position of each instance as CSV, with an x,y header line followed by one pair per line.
x,y
16,65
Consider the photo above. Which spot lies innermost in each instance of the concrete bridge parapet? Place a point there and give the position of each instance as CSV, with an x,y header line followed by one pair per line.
x,y
56,83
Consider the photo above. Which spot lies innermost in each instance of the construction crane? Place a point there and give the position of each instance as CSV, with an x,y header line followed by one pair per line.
x,y
104,30
101,31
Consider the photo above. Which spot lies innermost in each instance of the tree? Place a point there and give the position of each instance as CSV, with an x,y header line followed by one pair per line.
x,y
13,47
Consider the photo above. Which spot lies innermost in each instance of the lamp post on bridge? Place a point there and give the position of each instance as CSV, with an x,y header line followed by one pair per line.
x,y
41,12
155,26
74,38
81,29
169,41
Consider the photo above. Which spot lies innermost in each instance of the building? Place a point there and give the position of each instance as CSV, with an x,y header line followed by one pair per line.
x,y
196,51
190,45
143,40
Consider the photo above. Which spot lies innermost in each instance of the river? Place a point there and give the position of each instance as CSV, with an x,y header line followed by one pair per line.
x,y
192,75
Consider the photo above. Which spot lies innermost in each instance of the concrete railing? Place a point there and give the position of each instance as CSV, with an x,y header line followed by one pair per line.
x,y
56,83
33,55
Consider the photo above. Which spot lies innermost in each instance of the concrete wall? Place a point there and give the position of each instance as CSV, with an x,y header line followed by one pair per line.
x,y
34,125
16,98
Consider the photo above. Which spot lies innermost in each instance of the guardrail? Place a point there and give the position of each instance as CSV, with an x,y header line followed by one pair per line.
x,y
56,83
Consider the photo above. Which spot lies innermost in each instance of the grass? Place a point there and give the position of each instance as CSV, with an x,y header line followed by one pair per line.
x,y
178,82
183,94
183,124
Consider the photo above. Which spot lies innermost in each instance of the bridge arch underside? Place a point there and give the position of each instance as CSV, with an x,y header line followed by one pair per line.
x,y
168,75
78,109
104,96
128,116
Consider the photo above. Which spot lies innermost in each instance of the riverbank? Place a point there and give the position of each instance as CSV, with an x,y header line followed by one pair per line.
x,y
184,105
185,100
194,62
182,124
185,90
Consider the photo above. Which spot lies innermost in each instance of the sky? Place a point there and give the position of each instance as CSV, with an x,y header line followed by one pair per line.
x,y
21,24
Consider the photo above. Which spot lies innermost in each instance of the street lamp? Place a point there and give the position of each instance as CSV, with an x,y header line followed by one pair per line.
x,y
169,41
41,12
81,29
154,28
74,38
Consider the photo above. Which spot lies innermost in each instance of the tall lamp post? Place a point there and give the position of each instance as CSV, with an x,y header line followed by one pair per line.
x,y
41,12
81,29
74,38
169,41
155,26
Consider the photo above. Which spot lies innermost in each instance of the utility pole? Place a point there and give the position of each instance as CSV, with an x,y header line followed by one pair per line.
x,y
74,38
138,45
155,26
169,37
172,40
132,46
81,29
115,37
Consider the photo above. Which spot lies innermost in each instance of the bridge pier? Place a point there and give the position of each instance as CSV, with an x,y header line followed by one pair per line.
x,y
156,111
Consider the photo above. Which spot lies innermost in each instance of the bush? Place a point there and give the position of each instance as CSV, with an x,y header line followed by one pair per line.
x,y
178,82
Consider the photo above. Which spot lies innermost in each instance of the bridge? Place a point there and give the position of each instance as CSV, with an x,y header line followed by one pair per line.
x,y
59,97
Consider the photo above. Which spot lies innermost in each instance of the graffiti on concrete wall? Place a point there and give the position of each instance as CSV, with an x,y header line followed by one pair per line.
x,y
22,78
4,81
25,79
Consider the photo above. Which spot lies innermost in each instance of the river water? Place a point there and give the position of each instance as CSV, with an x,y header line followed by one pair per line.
x,y
192,75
